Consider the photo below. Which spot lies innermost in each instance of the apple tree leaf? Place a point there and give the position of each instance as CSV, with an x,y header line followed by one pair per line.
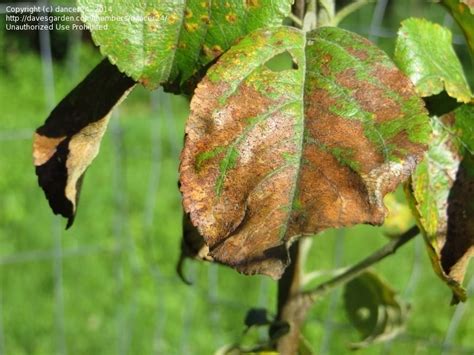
x,y
155,42
425,53
70,138
442,189
373,309
271,155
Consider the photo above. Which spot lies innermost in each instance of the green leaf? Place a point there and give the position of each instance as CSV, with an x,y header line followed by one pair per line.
x,y
425,53
273,155
373,309
463,13
442,189
163,41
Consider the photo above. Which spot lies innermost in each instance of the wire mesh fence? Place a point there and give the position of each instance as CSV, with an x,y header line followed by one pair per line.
x,y
207,303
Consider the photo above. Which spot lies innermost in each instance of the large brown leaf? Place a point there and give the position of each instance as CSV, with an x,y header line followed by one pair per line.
x,y
271,155
70,138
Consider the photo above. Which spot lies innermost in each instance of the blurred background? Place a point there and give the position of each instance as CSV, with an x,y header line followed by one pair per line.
x,y
108,285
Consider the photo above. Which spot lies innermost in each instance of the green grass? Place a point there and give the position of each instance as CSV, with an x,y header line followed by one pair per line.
x,y
117,281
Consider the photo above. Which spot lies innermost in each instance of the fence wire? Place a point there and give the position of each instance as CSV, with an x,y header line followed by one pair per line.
x,y
124,248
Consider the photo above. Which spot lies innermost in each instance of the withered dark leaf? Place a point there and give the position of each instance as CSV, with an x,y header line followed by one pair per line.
x,y
273,155
442,192
70,138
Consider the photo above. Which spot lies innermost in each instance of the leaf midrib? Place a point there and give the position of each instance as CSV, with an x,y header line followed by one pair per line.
x,y
296,181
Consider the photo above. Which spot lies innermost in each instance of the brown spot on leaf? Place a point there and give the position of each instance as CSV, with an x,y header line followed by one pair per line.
x,y
371,97
331,130
153,15
231,17
395,80
252,3
172,19
213,52
358,53
191,27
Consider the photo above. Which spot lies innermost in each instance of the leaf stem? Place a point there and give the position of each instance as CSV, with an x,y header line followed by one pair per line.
x,y
296,20
309,297
349,9
298,9
326,12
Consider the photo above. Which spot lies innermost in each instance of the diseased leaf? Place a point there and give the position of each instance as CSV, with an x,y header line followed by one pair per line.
x,y
163,41
270,156
70,138
442,188
425,53
373,309
463,13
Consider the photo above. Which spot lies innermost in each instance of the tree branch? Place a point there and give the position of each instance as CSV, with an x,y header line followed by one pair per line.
x,y
296,20
349,9
298,9
288,286
307,298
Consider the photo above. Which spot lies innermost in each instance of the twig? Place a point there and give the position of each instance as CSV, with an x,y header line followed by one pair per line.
x,y
298,9
309,297
296,20
326,12
289,286
349,9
